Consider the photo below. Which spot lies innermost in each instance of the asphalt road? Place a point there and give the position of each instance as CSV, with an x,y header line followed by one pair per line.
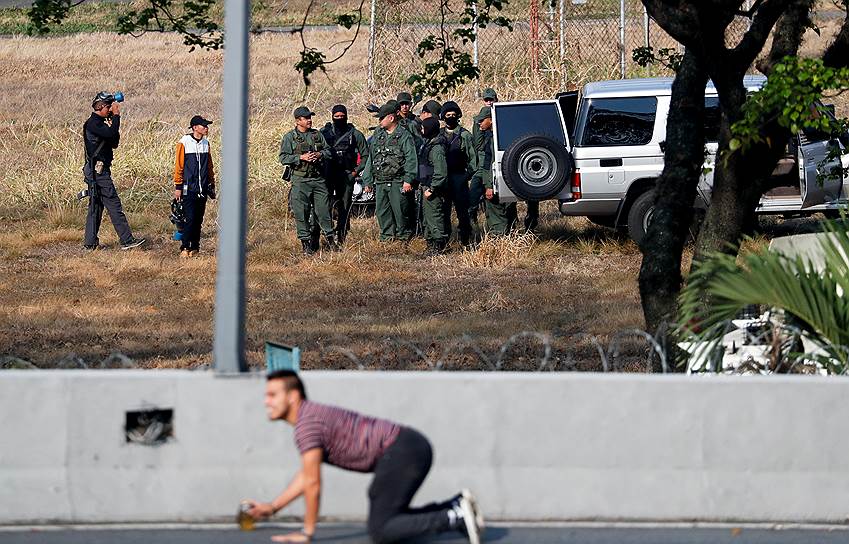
x,y
524,534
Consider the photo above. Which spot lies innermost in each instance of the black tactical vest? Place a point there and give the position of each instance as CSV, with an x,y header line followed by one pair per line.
x,y
454,154
344,146
425,165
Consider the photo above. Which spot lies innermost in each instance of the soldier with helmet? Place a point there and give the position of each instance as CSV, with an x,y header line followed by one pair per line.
x,y
462,159
304,149
390,172
430,109
433,177
347,146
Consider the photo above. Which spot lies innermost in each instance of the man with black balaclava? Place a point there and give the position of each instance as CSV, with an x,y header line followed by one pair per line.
x,y
462,162
349,154
433,178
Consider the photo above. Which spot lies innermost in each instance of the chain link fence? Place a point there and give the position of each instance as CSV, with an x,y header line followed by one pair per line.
x,y
554,44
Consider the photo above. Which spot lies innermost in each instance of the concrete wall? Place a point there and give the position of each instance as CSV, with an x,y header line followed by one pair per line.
x,y
533,446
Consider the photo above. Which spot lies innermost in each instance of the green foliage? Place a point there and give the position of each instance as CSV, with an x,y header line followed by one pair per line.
x,y
452,67
190,18
44,13
812,300
791,97
311,61
346,20
161,16
665,56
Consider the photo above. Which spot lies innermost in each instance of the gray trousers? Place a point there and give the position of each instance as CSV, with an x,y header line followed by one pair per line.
x,y
106,196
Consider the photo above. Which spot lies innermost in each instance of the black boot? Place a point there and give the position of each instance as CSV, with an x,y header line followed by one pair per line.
x,y
431,249
332,245
307,247
314,237
442,246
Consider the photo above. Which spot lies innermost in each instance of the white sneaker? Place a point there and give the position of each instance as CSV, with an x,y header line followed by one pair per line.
x,y
472,516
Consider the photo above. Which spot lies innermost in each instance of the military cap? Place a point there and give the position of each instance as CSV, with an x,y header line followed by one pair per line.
x,y
432,107
390,107
485,112
303,111
490,94
404,97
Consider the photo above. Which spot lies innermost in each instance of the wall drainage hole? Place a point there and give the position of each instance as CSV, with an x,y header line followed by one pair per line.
x,y
149,427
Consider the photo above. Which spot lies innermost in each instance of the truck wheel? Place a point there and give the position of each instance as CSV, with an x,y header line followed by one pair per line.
x,y
639,216
536,167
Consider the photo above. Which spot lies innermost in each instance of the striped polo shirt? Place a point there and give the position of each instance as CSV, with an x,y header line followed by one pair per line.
x,y
348,440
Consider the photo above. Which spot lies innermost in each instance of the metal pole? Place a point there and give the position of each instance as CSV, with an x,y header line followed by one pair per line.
x,y
622,38
646,23
229,348
371,31
475,30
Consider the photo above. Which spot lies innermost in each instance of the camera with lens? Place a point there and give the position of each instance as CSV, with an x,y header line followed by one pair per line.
x,y
108,98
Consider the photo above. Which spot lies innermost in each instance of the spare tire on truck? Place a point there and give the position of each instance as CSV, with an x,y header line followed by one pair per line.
x,y
536,167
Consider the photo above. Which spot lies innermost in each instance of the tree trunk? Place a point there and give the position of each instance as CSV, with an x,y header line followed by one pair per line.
x,y
660,273
740,178
734,196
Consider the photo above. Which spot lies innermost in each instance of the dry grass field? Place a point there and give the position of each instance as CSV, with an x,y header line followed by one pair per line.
x,y
375,305
371,303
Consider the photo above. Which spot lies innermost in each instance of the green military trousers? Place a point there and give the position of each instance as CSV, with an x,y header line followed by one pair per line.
x,y
501,217
392,208
309,195
436,214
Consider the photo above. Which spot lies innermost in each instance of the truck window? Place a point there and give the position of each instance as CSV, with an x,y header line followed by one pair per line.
x,y
516,120
618,121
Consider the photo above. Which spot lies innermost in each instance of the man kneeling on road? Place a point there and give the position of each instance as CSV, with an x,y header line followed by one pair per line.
x,y
400,458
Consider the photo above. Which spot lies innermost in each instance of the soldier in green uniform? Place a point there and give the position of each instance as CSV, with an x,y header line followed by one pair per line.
x,y
408,121
500,216
489,97
476,190
304,149
462,162
390,171
433,174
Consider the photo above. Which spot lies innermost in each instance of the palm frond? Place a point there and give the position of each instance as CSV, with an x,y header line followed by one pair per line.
x,y
811,295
